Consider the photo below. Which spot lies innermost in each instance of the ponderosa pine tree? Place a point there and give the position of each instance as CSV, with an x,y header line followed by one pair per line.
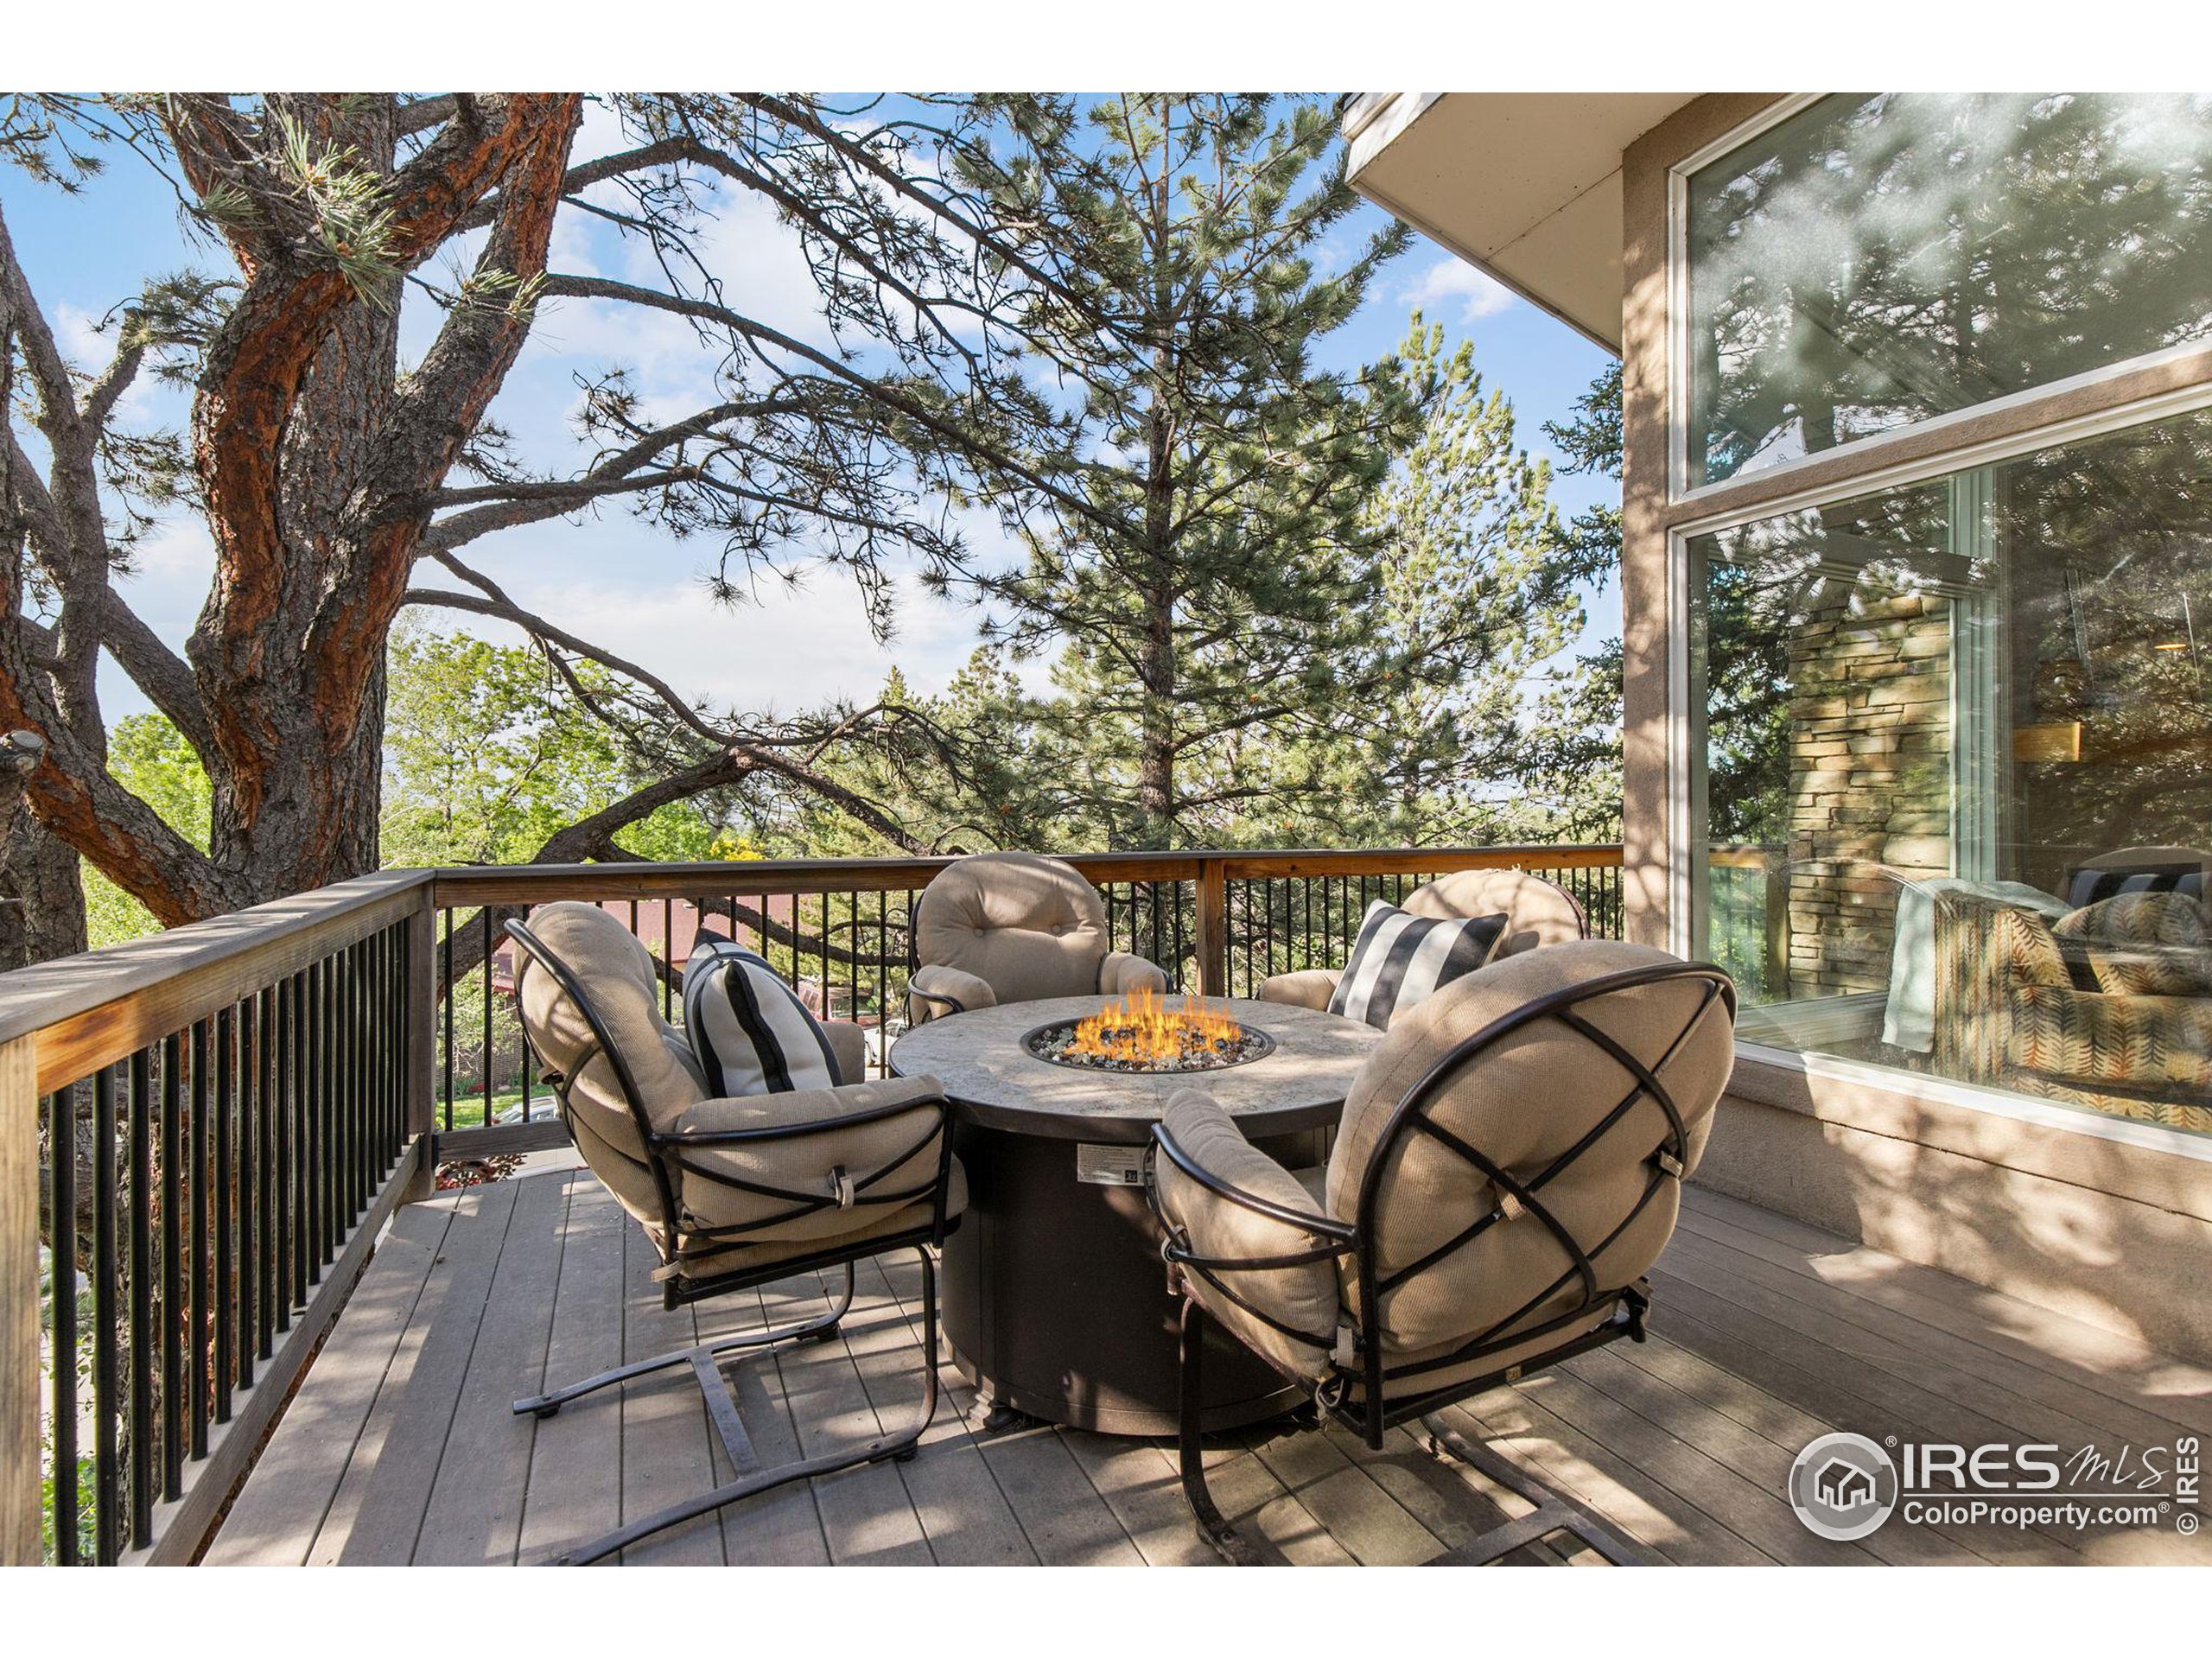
x,y
332,476
1200,561
1479,592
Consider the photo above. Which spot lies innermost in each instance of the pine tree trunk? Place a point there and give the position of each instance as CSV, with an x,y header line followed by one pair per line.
x,y
1156,657
41,893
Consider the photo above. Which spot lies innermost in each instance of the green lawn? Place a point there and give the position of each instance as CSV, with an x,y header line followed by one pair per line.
x,y
469,1111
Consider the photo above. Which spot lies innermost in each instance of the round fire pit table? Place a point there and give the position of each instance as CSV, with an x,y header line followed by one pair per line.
x,y
1055,1298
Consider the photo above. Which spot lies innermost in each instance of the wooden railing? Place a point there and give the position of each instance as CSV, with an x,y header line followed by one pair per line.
x,y
211,1126
214,1123
841,932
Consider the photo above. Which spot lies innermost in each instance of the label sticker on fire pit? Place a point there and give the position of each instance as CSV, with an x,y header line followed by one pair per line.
x,y
1108,1165
1145,1033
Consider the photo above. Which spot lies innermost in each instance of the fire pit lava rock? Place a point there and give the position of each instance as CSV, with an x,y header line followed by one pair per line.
x,y
1143,1034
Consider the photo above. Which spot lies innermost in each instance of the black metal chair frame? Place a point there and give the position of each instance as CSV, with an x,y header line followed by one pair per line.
x,y
1370,1414
665,1155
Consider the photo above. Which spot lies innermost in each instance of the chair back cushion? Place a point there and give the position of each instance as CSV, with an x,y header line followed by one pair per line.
x,y
1399,960
2144,943
749,1032
2139,869
1026,926
617,974
1536,911
1523,1103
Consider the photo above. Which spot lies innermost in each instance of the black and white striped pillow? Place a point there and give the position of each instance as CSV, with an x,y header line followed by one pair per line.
x,y
1399,960
751,1035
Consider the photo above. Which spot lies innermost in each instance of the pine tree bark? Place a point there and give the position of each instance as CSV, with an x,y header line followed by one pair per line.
x,y
42,892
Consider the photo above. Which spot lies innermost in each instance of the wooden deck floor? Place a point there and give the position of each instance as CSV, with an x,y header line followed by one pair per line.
x,y
400,1447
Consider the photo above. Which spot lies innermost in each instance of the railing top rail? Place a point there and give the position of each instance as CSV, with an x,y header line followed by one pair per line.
x,y
94,1008
539,883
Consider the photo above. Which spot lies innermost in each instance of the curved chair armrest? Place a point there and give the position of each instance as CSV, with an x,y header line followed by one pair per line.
x,y
849,1047
1218,1169
1121,972
795,1154
1247,1241
936,989
1309,987
795,1113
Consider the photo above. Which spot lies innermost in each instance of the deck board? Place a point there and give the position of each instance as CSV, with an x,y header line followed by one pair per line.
x,y
401,1445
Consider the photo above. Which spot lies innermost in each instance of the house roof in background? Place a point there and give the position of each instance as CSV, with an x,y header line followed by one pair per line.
x,y
1526,186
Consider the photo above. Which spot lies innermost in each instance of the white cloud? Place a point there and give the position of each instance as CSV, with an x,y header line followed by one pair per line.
x,y
1454,282
795,648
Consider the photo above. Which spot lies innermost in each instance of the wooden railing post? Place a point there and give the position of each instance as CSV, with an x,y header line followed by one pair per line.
x,y
19,1367
1213,928
1777,925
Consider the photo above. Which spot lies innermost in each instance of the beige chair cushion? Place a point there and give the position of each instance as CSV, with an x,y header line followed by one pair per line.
x,y
1026,926
1527,1099
1536,911
705,1259
848,1046
895,1154
1307,987
617,974
1304,1298
936,990
1406,1387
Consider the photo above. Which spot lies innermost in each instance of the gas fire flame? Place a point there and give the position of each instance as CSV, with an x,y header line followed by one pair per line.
x,y
1143,1030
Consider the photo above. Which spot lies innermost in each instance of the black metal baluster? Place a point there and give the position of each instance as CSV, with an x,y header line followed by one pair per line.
x,y
107,1409
141,1299
385,1042
486,1079
227,1174
310,1146
667,960
195,1219
172,1267
292,1059
346,1090
882,982
61,1155
360,1065
1176,977
445,1020
251,1167
269,1176
853,954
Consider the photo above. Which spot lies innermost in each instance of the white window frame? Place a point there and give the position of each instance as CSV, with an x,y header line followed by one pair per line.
x,y
1678,338
1681,885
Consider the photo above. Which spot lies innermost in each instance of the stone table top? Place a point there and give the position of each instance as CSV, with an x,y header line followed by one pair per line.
x,y
981,1060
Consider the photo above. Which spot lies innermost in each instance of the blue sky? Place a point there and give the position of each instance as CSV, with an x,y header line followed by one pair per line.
x,y
628,585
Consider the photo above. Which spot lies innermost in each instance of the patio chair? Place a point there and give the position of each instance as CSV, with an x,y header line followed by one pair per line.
x,y
1536,911
1508,1166
1014,927
734,1192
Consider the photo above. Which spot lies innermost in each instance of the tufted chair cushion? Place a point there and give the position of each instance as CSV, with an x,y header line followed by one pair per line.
x,y
617,974
1527,1100
1026,926
1536,911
